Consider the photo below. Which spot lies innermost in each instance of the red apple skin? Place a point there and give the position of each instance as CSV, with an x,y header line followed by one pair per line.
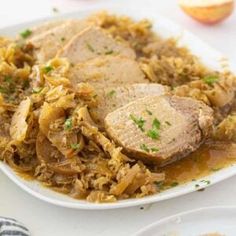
x,y
209,15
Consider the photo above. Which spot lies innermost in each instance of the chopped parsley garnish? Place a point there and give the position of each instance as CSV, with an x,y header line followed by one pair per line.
x,y
89,46
109,52
206,181
210,80
153,134
63,39
25,34
47,69
202,181
149,112
144,147
168,123
8,79
216,169
111,93
138,121
174,184
37,90
159,184
68,124
156,124
74,146
154,149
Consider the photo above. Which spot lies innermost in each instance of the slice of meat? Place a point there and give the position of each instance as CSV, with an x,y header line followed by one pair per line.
x,y
47,44
44,27
109,99
91,43
161,129
107,71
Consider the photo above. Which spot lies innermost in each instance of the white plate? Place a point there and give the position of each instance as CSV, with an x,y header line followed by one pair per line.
x,y
166,28
195,223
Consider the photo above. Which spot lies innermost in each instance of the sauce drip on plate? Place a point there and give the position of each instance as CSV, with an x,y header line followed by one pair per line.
x,y
209,158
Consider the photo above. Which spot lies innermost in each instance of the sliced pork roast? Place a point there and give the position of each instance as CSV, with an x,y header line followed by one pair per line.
x,y
42,28
161,129
94,42
107,71
51,41
111,98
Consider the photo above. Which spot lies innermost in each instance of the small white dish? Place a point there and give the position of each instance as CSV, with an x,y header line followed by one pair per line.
x,y
165,28
198,222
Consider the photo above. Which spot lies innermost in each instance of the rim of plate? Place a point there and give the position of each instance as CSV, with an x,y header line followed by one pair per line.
x,y
181,214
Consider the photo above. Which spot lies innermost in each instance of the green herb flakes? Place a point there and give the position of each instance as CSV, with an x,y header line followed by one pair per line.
x,y
89,46
68,124
47,69
25,34
216,169
154,149
111,93
149,112
138,121
159,184
74,146
210,80
174,184
156,124
206,181
168,123
144,147
109,52
153,134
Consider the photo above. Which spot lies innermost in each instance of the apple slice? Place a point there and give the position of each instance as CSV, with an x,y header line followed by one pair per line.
x,y
207,11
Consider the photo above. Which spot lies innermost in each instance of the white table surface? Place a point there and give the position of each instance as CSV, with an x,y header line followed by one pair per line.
x,y
47,220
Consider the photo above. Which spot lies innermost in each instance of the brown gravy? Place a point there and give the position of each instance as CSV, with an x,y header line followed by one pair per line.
x,y
207,159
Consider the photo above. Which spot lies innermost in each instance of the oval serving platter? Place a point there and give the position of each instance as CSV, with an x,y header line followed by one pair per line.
x,y
204,221
164,27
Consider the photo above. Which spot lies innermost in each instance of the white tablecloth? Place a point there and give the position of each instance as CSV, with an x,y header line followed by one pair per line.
x,y
47,220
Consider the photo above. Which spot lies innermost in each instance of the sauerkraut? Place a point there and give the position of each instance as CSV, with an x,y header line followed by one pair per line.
x,y
47,130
